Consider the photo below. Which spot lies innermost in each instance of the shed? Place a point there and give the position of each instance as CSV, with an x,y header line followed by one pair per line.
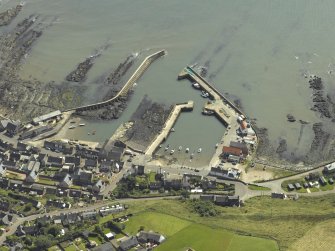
x,y
290,187
297,185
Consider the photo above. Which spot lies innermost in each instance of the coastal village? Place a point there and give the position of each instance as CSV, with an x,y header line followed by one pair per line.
x,y
42,173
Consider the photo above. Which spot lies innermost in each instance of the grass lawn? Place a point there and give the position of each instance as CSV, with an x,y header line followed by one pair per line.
x,y
96,239
54,248
46,182
327,187
203,238
162,223
260,188
4,248
152,176
71,248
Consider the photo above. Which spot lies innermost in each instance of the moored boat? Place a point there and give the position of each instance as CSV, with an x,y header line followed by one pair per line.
x,y
199,150
187,149
204,94
196,85
82,124
172,151
72,127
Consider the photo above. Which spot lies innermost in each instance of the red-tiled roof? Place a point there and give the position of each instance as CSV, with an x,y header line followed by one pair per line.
x,y
232,150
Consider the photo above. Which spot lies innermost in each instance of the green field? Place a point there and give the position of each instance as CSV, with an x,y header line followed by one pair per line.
x,y
182,234
158,222
202,238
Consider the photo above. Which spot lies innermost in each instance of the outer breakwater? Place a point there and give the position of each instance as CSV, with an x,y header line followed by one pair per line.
x,y
128,85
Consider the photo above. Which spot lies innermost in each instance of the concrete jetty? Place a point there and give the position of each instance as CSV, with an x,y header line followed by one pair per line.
x,y
171,120
128,85
223,109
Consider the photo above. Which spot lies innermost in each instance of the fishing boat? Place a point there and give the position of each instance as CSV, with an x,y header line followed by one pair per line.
x,y
172,129
172,151
199,150
196,85
180,147
204,94
187,149
82,124
72,127
207,112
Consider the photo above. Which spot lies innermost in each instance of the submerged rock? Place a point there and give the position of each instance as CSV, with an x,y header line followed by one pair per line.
x,y
290,118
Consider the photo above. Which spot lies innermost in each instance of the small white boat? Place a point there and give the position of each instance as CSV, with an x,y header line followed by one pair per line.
x,y
180,147
216,145
172,129
187,150
88,133
204,94
72,127
135,84
199,150
82,124
160,146
172,151
196,85
192,155
167,147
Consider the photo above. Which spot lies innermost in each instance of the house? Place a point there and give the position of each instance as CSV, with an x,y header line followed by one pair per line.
x,y
111,210
128,243
70,218
83,178
226,200
2,170
9,165
104,247
6,219
32,176
91,163
62,192
115,153
98,186
66,181
26,230
22,147
46,117
89,215
329,168
14,156
145,237
4,205
3,124
4,182
228,150
12,128
75,160
242,146
312,176
34,132
155,185
50,190
106,166
15,184
175,184
38,189
54,161
110,236
225,173
207,197
75,193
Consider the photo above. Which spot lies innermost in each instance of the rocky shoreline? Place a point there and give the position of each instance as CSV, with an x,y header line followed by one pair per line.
x,y
7,16
148,120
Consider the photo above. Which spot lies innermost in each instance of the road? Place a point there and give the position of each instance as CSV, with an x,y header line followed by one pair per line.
x,y
95,206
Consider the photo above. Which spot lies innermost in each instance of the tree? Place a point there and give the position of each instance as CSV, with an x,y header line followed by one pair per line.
x,y
54,230
42,242
27,207
185,194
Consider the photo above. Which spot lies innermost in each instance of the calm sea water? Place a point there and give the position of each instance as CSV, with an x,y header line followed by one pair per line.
x,y
255,50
